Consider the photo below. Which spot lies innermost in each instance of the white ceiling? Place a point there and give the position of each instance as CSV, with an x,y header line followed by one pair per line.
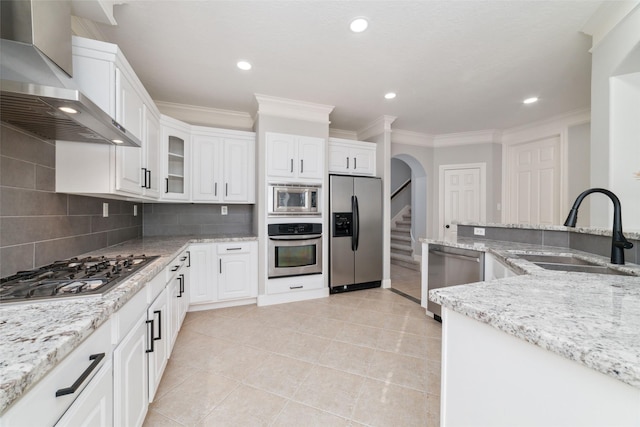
x,y
457,66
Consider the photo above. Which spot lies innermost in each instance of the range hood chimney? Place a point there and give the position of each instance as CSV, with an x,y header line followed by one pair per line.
x,y
37,93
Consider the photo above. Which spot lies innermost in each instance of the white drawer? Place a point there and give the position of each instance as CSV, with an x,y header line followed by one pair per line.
x,y
155,286
40,406
234,248
175,265
294,284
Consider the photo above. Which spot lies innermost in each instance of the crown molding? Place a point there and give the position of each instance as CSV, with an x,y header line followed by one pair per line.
x,y
379,126
399,136
551,126
292,109
343,134
204,116
467,138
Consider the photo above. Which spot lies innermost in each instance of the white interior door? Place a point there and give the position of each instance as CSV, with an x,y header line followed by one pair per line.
x,y
463,197
533,182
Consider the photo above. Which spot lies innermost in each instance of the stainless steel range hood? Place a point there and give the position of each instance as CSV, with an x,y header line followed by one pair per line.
x,y
36,69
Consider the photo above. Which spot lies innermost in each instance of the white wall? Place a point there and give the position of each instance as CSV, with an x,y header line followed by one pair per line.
x,y
617,53
578,160
624,158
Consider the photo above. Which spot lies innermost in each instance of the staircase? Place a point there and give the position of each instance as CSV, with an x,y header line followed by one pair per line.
x,y
401,251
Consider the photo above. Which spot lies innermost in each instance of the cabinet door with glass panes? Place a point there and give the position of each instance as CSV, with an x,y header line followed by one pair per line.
x,y
176,154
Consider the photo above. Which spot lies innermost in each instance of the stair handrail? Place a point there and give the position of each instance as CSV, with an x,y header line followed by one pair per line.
x,y
402,187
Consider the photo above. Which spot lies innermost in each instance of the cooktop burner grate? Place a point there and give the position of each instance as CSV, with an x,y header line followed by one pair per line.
x,y
74,277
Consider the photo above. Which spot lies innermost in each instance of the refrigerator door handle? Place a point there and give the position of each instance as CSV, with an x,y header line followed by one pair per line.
x,y
356,223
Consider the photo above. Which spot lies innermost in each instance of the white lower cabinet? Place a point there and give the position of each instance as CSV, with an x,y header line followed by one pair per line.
x,y
158,314
237,270
223,272
130,376
203,280
78,373
94,406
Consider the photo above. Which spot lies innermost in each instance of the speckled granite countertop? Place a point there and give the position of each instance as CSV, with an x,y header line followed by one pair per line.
x,y
629,234
34,337
593,319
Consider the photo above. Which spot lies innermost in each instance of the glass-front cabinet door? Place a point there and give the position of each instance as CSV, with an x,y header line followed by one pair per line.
x,y
176,158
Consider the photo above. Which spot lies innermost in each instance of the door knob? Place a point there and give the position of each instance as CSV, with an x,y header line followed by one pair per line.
x,y
447,226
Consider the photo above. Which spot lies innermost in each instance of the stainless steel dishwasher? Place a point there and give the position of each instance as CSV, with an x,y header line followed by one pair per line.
x,y
450,266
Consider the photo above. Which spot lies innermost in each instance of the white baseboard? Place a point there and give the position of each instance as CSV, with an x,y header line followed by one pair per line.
x,y
281,298
221,304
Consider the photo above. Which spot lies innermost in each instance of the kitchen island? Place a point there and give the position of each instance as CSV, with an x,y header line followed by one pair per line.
x,y
36,337
545,347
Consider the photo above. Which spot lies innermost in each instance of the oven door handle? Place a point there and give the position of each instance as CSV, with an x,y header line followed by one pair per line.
x,y
305,237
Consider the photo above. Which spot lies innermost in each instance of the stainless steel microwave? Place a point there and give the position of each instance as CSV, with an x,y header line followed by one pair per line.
x,y
294,199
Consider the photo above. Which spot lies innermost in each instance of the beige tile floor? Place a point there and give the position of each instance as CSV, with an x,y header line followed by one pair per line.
x,y
367,357
406,281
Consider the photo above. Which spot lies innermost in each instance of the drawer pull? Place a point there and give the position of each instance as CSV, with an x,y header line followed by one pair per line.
x,y
97,358
175,268
159,313
150,322
234,249
296,287
184,258
189,258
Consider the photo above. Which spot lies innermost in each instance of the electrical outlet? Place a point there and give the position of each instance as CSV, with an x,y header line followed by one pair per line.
x,y
135,210
478,231
105,210
223,210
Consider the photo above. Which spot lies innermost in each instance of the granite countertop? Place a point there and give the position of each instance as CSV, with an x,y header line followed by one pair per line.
x,y
34,337
593,319
598,231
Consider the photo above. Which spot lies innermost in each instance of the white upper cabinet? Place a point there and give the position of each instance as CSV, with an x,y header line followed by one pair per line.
x,y
176,158
104,75
151,165
223,166
352,157
294,157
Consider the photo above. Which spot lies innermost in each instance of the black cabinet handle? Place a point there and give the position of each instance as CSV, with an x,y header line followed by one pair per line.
x,y
291,165
166,189
296,287
215,188
182,284
144,178
159,313
221,266
150,336
226,189
175,268
234,249
347,162
184,258
189,258
355,163
301,165
97,358
149,178
180,289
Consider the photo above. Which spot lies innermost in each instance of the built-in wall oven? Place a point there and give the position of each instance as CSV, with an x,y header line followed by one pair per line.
x,y
295,249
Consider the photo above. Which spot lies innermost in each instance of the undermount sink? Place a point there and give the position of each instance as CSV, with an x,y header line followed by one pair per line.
x,y
570,263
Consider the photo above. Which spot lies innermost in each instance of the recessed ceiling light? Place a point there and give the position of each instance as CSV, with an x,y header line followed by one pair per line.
x,y
389,95
244,65
530,100
68,110
358,25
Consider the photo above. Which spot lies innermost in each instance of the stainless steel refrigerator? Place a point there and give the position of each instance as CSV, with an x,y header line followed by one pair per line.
x,y
355,244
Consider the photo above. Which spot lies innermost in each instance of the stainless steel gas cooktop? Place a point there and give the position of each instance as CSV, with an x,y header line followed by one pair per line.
x,y
74,277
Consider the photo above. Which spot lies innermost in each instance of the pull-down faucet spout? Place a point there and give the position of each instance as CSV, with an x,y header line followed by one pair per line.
x,y
618,242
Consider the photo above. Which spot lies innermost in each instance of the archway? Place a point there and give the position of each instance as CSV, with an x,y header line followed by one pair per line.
x,y
409,223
